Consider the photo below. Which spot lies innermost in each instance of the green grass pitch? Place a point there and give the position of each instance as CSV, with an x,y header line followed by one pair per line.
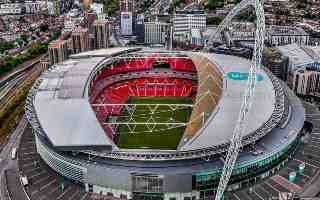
x,y
161,136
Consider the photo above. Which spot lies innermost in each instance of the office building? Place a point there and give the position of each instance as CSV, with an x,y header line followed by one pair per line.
x,y
58,51
139,28
156,32
101,31
184,21
80,40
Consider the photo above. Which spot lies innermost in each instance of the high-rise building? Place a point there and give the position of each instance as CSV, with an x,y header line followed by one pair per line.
x,y
101,31
58,51
139,28
80,40
184,21
156,32
126,23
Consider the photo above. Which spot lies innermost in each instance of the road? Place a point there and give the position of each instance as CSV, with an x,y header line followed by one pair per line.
x,y
5,156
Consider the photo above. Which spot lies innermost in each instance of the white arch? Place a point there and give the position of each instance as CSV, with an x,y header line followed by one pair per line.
x,y
241,124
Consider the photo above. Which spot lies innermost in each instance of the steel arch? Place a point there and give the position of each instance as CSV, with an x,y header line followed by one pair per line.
x,y
241,124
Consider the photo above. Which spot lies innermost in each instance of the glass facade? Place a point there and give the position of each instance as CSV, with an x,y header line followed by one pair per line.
x,y
147,183
252,171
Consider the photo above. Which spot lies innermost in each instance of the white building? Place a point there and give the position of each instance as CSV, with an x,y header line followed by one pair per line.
x,y
97,8
242,31
50,8
300,56
126,23
282,35
155,32
11,8
184,21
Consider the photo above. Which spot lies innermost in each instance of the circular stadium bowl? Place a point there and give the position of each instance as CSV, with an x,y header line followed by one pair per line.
x,y
152,124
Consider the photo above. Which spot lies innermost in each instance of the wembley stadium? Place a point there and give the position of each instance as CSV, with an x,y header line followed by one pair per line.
x,y
141,123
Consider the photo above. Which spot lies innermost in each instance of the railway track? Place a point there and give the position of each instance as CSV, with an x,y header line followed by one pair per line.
x,y
10,88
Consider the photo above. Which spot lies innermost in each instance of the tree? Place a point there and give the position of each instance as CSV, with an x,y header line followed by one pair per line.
x,y
214,20
43,27
214,4
111,7
4,46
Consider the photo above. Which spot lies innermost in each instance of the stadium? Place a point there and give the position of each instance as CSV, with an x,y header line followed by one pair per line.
x,y
141,123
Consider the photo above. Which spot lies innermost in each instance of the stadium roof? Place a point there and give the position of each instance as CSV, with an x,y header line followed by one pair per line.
x,y
68,120
219,127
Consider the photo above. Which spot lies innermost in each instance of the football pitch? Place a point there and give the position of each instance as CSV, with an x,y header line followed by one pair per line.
x,y
152,135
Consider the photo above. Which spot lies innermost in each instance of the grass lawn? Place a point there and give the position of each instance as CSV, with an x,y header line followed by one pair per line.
x,y
160,136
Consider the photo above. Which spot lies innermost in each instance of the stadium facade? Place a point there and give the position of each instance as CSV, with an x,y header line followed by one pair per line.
x,y
76,111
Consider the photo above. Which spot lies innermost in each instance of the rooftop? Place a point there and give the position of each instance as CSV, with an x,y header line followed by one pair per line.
x,y
57,43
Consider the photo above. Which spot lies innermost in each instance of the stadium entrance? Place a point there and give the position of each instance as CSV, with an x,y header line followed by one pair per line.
x,y
147,186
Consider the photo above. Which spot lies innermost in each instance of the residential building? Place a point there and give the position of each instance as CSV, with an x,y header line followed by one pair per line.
x,y
11,8
196,38
283,35
101,33
32,7
156,32
80,40
90,17
276,63
98,9
58,51
184,21
306,82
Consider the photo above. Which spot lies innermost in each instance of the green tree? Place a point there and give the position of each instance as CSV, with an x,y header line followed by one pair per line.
x,y
111,7
214,4
214,20
4,46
